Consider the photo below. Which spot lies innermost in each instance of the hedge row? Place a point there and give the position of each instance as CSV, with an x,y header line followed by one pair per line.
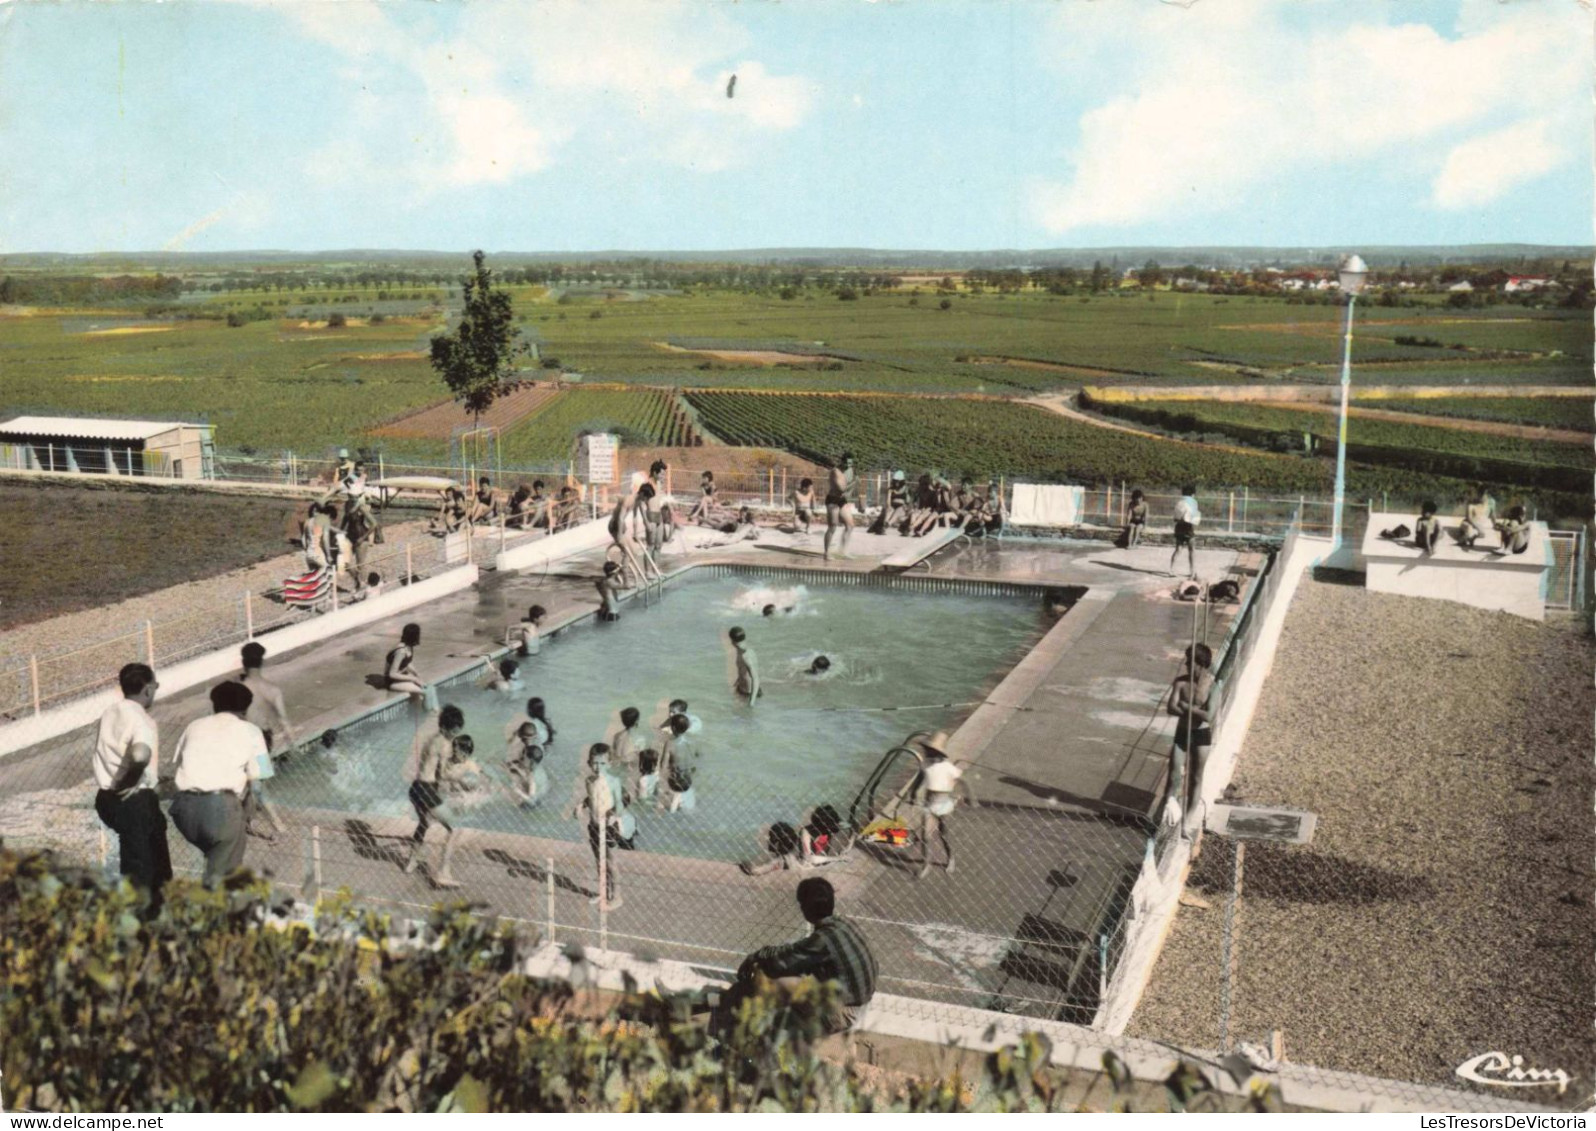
x,y
222,1004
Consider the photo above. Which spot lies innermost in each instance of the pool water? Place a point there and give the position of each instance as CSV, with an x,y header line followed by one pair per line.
x,y
807,741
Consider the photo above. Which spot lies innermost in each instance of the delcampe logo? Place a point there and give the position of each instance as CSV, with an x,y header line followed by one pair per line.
x,y
1499,1070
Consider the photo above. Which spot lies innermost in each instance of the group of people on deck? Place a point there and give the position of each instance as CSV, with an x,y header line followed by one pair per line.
x,y
526,508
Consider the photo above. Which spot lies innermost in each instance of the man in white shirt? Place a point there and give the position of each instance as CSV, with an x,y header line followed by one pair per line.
x,y
217,759
1187,516
126,761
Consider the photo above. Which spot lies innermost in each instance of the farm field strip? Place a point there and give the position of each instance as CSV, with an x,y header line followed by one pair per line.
x,y
641,416
441,421
982,438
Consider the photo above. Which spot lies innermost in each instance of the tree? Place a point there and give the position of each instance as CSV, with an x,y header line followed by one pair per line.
x,y
1151,274
475,359
1099,275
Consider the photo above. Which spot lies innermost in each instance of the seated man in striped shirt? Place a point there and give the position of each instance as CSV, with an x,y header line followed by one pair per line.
x,y
834,951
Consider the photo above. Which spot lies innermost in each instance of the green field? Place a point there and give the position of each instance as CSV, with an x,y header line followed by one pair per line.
x,y
1576,413
641,417
288,382
980,438
1441,450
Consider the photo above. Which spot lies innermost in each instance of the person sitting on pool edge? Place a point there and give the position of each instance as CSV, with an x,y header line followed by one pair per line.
x,y
747,682
1515,532
817,843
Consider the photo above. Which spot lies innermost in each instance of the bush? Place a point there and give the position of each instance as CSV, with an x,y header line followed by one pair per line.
x,y
235,319
945,304
336,319
221,1005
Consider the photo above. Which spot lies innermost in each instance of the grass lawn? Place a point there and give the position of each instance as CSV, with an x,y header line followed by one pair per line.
x,y
73,548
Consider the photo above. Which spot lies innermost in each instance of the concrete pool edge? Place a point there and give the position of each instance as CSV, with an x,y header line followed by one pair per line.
x,y
58,721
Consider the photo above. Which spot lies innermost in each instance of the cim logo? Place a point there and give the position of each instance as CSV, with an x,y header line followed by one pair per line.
x,y
1499,1070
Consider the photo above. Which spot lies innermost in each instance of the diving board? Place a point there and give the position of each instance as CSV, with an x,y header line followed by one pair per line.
x,y
922,548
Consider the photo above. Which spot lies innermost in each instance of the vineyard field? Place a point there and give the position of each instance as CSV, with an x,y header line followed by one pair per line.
x,y
1577,413
980,438
641,417
1418,447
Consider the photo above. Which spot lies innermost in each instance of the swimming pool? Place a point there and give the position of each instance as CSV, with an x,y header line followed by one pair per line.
x,y
927,654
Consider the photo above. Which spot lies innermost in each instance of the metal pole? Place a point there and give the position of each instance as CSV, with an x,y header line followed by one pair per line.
x,y
149,643
1102,965
604,888
33,678
410,573
1245,495
315,856
1230,524
104,849
1230,950
1341,434
549,876
249,616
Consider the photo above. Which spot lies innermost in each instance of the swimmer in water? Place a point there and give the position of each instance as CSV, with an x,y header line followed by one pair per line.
x,y
524,635
524,760
608,587
506,681
747,683
772,610
820,666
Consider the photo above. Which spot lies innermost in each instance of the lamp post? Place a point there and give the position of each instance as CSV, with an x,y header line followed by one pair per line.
x,y
1354,273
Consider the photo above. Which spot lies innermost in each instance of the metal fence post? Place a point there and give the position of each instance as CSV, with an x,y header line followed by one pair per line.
x,y
315,858
410,573
1230,525
1230,954
249,616
33,678
1245,494
550,877
149,643
1102,967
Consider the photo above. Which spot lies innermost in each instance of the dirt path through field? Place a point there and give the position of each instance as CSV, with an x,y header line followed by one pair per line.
x,y
1056,402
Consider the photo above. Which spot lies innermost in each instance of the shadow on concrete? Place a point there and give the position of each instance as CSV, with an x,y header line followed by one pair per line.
x,y
518,868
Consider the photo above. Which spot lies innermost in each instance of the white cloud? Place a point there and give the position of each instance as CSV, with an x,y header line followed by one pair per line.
x,y
1486,168
510,86
1226,100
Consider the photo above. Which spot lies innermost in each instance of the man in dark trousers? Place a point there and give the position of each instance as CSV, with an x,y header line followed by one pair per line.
x,y
834,951
126,761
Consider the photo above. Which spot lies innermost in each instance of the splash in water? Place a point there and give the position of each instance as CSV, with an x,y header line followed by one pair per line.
x,y
793,600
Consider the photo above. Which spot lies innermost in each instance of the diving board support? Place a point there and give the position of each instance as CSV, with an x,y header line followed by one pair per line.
x,y
921,548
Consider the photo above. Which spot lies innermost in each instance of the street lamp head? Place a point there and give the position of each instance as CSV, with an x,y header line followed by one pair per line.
x,y
1354,274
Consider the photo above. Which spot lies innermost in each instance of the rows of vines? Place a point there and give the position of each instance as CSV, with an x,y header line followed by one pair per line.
x,y
1417,447
983,437
639,416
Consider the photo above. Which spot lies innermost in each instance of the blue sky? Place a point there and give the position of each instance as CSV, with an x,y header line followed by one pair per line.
x,y
531,125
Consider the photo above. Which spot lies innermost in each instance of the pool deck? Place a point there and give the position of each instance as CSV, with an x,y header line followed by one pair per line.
x,y
1067,758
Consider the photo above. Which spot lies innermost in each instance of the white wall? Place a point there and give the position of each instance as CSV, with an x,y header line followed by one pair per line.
x,y
1155,897
541,553
202,669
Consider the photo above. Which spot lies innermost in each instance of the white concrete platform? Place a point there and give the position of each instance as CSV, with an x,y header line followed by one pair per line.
x,y
1484,577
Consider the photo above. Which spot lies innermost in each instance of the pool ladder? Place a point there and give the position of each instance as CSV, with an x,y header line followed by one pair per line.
x,y
864,808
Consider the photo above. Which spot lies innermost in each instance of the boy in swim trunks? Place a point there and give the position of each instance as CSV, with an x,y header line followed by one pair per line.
x,y
747,684
802,499
609,586
433,758
1188,701
839,512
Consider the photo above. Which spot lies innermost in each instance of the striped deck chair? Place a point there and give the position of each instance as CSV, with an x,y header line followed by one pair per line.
x,y
310,590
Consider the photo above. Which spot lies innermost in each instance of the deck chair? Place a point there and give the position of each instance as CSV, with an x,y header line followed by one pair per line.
x,y
310,590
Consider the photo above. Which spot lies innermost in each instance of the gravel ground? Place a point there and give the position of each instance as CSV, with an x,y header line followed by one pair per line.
x,y
1443,909
81,650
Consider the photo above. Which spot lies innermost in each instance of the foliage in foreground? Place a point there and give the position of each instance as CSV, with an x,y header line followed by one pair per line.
x,y
208,1008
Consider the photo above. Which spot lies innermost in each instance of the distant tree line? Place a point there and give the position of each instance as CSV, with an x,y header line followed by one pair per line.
x,y
67,290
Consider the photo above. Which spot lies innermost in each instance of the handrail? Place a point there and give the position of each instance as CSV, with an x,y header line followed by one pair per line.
x,y
874,780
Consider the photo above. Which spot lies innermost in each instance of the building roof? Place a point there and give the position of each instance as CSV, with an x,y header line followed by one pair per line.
x,y
88,428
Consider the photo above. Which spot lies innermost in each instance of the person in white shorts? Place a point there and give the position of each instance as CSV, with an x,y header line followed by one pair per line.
x,y
939,783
